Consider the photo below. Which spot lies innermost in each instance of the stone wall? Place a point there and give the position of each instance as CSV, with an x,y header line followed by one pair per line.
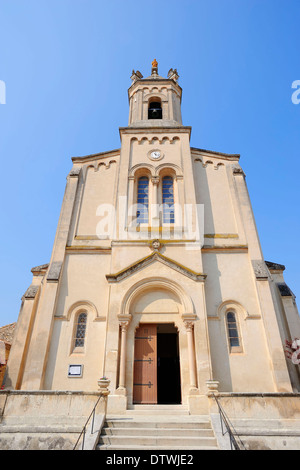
x,y
263,421
44,420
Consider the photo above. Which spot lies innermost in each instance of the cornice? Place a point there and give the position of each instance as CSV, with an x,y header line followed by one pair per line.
x,y
157,129
153,81
96,156
219,155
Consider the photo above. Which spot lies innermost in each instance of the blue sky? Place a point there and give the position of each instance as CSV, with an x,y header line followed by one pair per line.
x,y
66,65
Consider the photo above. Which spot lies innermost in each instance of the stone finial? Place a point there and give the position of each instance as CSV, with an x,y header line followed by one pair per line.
x,y
136,76
173,75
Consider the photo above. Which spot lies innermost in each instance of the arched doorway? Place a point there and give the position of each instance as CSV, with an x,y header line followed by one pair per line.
x,y
164,306
156,377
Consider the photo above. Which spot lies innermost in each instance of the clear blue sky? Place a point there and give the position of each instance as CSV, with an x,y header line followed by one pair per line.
x,y
66,65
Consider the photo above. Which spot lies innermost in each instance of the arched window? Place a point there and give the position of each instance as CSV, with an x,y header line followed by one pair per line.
x,y
142,200
155,110
168,200
233,333
80,330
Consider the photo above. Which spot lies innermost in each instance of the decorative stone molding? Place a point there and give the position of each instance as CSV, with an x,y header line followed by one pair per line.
x,y
124,325
96,165
54,271
209,162
155,180
260,269
155,256
142,286
189,325
78,307
152,140
232,306
123,318
156,245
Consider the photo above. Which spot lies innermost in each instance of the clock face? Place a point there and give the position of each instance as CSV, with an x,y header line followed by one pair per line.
x,y
155,154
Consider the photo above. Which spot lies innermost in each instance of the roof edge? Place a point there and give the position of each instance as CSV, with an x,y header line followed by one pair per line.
x,y
231,156
95,155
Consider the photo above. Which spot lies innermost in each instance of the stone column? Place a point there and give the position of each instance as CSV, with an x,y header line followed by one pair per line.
x,y
122,377
154,208
189,325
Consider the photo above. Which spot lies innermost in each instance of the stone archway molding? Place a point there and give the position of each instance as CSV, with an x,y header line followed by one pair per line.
x,y
147,260
152,283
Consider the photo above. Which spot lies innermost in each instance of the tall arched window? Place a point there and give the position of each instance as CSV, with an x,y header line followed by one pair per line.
x,y
142,200
80,330
233,333
168,200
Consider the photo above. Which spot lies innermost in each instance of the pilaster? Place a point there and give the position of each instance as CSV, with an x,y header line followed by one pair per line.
x,y
41,334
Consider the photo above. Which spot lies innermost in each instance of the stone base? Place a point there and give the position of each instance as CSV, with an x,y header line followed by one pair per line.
x,y
117,404
198,404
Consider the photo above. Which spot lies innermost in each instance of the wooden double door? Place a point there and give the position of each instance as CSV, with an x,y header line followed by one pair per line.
x,y
156,377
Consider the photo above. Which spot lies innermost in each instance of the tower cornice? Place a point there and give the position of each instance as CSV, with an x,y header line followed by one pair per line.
x,y
153,81
158,130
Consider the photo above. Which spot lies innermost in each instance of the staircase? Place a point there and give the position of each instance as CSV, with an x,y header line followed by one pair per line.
x,y
159,427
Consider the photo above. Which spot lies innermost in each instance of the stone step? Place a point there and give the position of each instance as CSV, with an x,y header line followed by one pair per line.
x,y
163,441
153,448
158,407
156,411
182,424
141,429
154,431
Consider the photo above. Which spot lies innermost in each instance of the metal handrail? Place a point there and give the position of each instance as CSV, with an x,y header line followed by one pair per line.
x,y
235,441
86,423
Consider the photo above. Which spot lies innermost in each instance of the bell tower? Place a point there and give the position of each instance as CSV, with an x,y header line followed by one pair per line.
x,y
155,157
155,101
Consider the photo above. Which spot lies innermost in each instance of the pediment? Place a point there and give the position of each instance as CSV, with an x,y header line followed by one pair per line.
x,y
156,256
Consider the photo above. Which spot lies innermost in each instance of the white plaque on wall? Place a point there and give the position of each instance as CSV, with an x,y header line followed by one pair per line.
x,y
75,370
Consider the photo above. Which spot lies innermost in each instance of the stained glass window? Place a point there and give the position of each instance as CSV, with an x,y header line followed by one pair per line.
x,y
80,330
168,200
142,200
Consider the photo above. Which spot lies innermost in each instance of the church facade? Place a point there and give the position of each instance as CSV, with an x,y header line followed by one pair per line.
x,y
157,279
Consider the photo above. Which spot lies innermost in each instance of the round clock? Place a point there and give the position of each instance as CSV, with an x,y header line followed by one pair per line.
x,y
155,154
